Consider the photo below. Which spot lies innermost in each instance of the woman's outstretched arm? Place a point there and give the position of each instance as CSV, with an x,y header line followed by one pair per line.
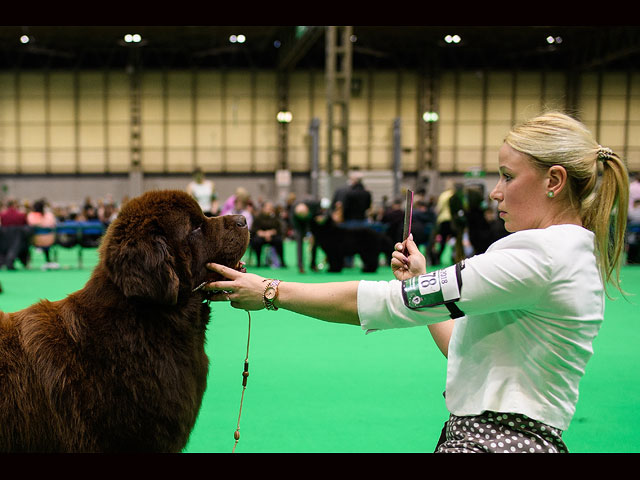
x,y
332,302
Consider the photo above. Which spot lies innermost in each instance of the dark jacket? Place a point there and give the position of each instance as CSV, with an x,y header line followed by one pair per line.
x,y
357,201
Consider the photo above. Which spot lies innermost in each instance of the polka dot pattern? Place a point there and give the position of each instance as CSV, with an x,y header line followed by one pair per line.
x,y
494,432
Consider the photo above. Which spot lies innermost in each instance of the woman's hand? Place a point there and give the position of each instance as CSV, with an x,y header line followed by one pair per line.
x,y
410,265
243,290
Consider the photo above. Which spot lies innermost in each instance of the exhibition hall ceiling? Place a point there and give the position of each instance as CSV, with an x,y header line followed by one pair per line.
x,y
273,47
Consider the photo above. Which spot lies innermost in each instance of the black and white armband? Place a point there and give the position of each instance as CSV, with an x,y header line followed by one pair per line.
x,y
441,287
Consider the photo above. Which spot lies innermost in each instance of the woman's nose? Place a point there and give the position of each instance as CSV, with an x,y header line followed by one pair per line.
x,y
494,193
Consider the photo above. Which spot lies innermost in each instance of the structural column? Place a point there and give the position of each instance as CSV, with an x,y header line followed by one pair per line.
x,y
338,86
135,143
283,126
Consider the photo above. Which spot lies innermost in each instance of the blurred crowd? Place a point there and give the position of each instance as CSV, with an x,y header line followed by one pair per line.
x,y
458,223
24,212
26,224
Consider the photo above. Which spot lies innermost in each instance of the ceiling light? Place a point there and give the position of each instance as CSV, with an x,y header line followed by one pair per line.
x,y
430,117
132,38
24,39
284,117
452,39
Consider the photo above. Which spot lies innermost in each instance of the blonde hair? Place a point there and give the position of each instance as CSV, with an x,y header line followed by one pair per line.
x,y
598,181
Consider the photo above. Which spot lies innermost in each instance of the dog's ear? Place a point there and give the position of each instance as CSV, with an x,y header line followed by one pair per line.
x,y
144,268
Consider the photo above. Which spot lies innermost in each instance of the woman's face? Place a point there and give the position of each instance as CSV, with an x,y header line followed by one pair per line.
x,y
520,192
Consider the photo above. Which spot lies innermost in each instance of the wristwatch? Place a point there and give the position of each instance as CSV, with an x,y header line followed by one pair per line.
x,y
270,294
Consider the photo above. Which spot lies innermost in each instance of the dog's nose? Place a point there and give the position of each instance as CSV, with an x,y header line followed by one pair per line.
x,y
241,221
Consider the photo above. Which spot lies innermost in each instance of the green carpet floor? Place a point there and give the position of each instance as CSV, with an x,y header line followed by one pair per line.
x,y
320,387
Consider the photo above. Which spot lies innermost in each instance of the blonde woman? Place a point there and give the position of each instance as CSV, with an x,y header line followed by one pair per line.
x,y
516,323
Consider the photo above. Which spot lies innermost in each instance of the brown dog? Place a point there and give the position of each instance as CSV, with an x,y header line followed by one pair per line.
x,y
120,365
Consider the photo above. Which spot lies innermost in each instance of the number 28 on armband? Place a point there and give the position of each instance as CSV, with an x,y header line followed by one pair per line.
x,y
441,287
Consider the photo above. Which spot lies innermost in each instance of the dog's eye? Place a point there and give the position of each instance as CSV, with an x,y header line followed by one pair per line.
x,y
196,230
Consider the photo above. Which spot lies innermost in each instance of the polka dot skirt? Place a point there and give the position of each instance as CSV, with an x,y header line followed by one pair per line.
x,y
494,432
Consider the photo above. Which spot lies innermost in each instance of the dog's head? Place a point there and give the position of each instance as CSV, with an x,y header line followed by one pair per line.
x,y
158,247
322,222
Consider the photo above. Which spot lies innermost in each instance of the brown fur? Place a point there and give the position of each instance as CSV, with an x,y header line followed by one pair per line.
x,y
119,365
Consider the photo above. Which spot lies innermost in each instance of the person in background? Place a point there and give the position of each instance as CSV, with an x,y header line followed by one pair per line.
x,y
350,206
633,234
204,192
242,205
423,222
516,323
1,208
443,230
229,204
634,190
301,217
393,219
44,223
457,207
267,230
16,234
356,202
477,223
287,213
108,211
13,215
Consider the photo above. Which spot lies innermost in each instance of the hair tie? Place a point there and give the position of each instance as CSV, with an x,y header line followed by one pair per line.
x,y
604,153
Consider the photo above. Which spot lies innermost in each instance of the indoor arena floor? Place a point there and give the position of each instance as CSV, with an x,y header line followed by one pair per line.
x,y
321,387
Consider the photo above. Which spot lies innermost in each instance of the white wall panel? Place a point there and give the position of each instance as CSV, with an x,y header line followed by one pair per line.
x,y
91,135
92,161
62,135
80,121
180,160
63,160
153,159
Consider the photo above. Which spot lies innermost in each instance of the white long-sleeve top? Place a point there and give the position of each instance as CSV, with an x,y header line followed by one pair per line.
x,y
533,304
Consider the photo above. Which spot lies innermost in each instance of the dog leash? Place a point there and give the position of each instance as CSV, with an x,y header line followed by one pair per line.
x,y
245,376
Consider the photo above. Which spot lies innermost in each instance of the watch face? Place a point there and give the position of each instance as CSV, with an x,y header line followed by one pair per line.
x,y
270,293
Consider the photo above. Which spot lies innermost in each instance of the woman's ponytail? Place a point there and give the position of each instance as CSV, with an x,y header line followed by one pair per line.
x,y
606,215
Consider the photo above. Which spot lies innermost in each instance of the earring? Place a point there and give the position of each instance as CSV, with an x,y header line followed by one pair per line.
x,y
550,194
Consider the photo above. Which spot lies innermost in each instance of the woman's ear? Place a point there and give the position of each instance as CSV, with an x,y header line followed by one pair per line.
x,y
556,179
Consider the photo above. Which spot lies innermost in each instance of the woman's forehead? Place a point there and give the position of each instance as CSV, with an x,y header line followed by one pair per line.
x,y
508,157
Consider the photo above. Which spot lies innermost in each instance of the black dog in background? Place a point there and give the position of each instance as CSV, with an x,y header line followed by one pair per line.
x,y
339,242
